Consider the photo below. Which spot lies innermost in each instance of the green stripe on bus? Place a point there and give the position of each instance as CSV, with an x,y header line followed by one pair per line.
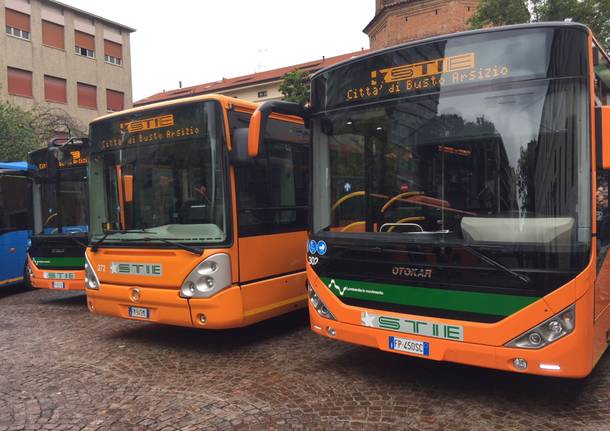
x,y
454,300
61,262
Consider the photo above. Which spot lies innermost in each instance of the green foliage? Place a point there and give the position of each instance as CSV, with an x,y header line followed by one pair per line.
x,y
492,13
593,13
295,86
17,135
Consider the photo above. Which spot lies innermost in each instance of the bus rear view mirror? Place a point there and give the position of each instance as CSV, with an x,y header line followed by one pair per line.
x,y
128,187
603,137
258,122
239,147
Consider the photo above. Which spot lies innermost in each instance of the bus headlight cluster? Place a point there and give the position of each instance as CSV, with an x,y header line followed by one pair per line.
x,y
318,304
548,331
91,280
208,278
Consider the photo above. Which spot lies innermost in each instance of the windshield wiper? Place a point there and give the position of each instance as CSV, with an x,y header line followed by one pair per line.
x,y
96,244
524,278
82,244
194,250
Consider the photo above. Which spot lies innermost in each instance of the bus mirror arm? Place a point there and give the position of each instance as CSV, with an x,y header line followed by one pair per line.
x,y
602,115
258,122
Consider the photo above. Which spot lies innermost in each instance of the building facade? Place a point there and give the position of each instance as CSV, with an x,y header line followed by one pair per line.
x,y
64,60
399,21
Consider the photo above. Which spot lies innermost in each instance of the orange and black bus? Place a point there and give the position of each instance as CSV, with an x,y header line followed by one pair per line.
x,y
56,253
460,199
185,228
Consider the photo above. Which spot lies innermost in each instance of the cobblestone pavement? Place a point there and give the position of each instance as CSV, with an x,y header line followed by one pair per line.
x,y
63,368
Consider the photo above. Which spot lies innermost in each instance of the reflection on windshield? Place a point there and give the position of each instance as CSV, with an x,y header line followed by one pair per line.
x,y
496,166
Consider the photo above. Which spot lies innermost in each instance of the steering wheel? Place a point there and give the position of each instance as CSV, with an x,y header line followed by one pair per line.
x,y
46,222
396,198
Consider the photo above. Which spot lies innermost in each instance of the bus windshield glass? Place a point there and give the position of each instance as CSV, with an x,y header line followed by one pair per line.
x,y
159,175
63,202
500,164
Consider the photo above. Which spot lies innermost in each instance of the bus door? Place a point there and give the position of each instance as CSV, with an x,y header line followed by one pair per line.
x,y
272,195
15,198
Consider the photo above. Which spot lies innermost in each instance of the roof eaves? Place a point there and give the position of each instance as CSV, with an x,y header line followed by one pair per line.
x,y
84,12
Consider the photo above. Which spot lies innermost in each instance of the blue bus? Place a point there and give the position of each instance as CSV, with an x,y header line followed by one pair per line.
x,y
15,221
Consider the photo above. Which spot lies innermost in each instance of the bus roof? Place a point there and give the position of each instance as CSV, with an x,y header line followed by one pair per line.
x,y
13,166
224,100
552,24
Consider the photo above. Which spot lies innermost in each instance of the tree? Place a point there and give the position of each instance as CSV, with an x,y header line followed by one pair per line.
x,y
50,122
295,86
492,13
593,13
17,136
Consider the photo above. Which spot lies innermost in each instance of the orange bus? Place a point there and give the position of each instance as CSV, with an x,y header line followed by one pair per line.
x,y
185,228
460,199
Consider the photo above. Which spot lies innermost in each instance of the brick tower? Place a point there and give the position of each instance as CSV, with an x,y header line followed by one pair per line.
x,y
398,21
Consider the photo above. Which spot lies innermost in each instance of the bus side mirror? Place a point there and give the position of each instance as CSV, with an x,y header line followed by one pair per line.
x,y
128,187
602,115
258,122
239,147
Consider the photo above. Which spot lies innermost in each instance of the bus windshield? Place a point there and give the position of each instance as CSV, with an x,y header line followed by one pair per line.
x,y
63,202
164,184
503,167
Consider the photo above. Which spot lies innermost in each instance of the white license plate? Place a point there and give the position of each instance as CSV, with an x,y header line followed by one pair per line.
x,y
139,312
59,285
410,346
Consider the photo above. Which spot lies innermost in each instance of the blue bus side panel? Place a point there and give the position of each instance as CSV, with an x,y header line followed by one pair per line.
x,y
12,263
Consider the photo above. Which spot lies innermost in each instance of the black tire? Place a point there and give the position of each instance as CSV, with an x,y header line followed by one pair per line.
x,y
27,283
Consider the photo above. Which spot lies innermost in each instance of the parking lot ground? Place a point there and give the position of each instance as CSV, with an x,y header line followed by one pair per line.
x,y
62,368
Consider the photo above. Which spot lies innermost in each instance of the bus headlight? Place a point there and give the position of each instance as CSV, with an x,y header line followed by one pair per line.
x,y
91,280
208,278
317,303
548,331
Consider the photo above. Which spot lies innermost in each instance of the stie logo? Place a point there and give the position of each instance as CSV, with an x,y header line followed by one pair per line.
x,y
148,124
146,269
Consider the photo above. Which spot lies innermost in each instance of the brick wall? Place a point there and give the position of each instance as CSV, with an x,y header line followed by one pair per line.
x,y
397,22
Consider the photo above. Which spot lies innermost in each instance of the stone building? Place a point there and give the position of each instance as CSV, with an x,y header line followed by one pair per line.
x,y
399,21
63,59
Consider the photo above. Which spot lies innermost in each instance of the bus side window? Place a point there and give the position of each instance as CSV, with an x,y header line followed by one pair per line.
x,y
602,78
602,216
273,192
15,193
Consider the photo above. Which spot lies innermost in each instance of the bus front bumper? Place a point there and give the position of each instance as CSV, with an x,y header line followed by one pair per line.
x,y
165,306
56,279
568,357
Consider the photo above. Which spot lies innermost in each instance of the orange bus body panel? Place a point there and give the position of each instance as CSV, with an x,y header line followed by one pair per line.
x,y
38,280
483,343
271,254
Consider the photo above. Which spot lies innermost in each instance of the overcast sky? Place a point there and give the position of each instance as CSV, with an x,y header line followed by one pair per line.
x,y
199,41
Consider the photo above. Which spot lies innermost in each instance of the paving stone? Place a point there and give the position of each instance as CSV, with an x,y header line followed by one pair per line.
x,y
64,368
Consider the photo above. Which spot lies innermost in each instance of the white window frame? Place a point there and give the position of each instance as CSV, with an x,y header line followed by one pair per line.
x,y
113,60
18,33
88,53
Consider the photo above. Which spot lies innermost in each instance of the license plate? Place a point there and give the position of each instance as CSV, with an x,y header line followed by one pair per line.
x,y
139,312
410,346
59,285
